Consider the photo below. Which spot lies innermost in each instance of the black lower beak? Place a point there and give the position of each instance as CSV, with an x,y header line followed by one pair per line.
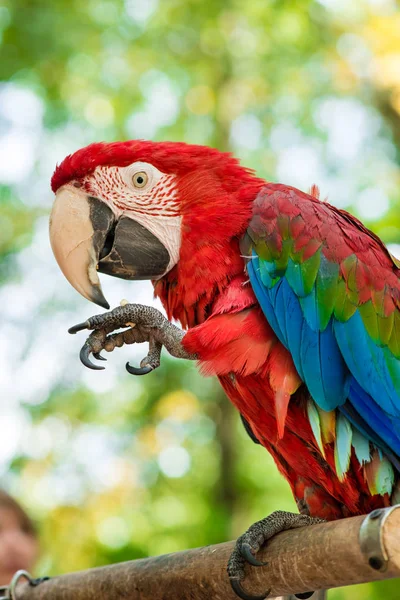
x,y
131,251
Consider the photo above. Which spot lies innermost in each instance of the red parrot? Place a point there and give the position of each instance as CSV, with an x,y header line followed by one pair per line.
x,y
292,303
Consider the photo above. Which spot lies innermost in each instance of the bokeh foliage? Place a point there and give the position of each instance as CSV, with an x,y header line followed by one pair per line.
x,y
304,92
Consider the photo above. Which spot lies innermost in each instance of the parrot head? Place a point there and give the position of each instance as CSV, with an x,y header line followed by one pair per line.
x,y
127,208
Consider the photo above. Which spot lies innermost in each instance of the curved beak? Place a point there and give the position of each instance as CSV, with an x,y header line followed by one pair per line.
x,y
78,230
86,237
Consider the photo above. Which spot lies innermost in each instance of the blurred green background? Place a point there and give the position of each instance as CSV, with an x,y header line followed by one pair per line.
x,y
113,467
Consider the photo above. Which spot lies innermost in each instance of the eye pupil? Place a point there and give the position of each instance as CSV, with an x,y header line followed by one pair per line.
x,y
140,179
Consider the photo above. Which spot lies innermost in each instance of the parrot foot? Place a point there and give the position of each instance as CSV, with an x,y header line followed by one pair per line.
x,y
251,541
146,324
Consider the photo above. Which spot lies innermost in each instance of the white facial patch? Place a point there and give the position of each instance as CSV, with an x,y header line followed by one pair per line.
x,y
154,204
167,230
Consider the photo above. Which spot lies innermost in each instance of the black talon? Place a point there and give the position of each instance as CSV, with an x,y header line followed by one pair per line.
x,y
304,595
79,327
247,553
239,591
98,356
84,356
138,370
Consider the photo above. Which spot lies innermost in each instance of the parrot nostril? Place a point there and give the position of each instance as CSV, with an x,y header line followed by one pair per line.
x,y
108,244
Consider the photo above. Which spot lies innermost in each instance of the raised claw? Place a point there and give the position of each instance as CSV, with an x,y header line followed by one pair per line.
x,y
98,356
239,591
85,360
247,552
79,327
138,370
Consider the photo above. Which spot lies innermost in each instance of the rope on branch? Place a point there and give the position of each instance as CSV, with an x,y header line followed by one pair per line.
x,y
334,554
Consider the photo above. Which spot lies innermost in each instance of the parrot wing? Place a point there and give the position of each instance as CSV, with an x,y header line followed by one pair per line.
x,y
330,290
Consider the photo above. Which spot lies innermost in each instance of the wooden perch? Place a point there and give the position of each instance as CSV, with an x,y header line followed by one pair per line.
x,y
319,557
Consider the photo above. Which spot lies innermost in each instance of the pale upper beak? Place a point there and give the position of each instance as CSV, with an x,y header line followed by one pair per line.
x,y
76,243
86,237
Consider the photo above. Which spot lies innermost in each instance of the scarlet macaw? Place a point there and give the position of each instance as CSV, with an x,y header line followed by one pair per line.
x,y
292,303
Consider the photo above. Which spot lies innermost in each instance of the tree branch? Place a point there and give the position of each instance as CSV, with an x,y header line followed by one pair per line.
x,y
317,557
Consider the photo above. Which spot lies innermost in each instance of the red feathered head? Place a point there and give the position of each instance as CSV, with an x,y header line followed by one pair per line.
x,y
130,209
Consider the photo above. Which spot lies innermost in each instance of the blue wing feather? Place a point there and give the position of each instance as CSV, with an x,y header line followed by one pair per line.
x,y
315,354
366,361
335,362
371,412
262,295
277,298
310,310
334,372
294,330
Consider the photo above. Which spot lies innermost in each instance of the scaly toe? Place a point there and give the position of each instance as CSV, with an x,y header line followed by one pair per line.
x,y
79,327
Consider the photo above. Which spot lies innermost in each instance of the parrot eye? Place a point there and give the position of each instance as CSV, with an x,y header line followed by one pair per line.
x,y
140,179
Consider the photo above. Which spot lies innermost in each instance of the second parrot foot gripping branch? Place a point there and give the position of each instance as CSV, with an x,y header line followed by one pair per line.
x,y
251,541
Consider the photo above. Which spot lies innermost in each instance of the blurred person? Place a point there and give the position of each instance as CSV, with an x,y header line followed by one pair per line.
x,y
19,545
